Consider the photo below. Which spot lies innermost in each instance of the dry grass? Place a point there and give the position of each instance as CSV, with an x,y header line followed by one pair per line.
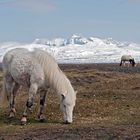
x,y
108,105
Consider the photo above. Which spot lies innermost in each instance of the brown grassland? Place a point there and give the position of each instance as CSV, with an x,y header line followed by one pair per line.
x,y
107,107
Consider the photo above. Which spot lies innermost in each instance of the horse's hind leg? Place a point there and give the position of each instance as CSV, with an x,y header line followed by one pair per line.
x,y
41,117
121,63
12,101
32,91
9,83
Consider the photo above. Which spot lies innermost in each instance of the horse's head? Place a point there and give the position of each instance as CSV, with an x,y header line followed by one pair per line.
x,y
132,62
67,105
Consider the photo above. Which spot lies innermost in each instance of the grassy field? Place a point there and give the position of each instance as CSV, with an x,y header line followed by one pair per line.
x,y
107,107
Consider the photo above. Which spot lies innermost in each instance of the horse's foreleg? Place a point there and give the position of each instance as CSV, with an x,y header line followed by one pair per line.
x,y
29,103
124,63
41,117
12,99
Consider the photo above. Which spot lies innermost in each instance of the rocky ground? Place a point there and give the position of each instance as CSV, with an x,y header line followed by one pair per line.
x,y
107,107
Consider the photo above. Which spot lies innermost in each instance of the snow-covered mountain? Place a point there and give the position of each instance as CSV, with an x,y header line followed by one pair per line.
x,y
79,49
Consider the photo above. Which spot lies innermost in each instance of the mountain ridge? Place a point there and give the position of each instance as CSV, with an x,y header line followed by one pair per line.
x,y
79,49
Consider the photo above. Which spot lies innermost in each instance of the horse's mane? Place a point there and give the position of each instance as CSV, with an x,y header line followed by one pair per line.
x,y
53,75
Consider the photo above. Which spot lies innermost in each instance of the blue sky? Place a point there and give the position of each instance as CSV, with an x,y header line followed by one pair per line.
x,y
26,20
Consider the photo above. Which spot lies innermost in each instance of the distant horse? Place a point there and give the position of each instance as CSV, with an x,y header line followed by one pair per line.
x,y
127,58
37,71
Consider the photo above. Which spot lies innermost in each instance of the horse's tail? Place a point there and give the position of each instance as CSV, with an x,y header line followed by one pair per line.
x,y
4,93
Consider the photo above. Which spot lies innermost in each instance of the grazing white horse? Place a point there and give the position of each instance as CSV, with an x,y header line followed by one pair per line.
x,y
127,58
37,71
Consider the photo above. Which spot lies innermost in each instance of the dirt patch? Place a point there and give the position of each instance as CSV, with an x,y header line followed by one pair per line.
x,y
107,107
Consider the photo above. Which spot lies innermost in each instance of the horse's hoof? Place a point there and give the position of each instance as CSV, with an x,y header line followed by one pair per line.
x,y
11,115
41,118
23,121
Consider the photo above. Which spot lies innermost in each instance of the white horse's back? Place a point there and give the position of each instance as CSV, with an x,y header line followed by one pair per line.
x,y
126,57
20,63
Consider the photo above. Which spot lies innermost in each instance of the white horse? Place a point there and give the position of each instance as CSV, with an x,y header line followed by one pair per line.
x,y
37,71
127,58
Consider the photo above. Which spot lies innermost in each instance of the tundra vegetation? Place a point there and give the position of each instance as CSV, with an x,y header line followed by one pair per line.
x,y
107,106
